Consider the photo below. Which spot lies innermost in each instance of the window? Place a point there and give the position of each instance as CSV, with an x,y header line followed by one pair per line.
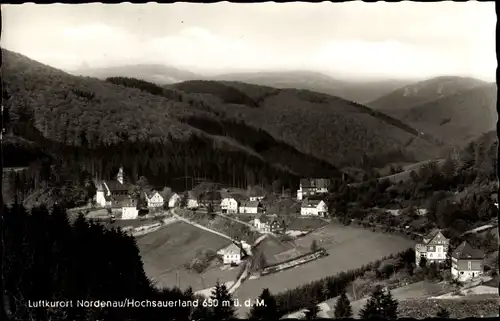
x,y
462,272
469,265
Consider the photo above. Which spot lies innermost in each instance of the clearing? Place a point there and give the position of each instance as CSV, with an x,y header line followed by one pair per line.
x,y
348,248
164,253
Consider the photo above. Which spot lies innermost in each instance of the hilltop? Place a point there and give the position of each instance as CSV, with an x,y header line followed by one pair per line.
x,y
458,118
155,73
338,131
397,102
360,92
92,126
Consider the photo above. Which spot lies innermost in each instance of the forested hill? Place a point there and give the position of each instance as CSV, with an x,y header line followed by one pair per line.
x,y
95,126
336,130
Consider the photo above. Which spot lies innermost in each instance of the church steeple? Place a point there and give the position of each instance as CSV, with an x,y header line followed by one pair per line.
x,y
119,177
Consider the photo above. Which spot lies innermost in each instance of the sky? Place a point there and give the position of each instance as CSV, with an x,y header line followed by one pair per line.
x,y
354,40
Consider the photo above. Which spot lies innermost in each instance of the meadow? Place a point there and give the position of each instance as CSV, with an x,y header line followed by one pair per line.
x,y
348,248
164,253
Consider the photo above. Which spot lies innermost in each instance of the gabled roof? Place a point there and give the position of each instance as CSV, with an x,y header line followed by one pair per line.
x,y
151,193
311,203
232,249
250,203
465,251
115,186
431,235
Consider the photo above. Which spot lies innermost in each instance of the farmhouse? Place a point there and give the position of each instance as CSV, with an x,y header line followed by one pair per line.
x,y
155,200
313,208
466,262
129,208
192,201
230,203
312,186
231,254
250,207
434,247
106,190
268,223
174,200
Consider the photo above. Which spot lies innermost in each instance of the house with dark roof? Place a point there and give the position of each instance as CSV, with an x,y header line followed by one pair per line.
x,y
434,247
129,208
313,208
312,186
250,207
466,262
106,190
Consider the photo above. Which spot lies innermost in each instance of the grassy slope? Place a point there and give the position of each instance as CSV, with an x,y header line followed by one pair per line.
x,y
330,128
165,251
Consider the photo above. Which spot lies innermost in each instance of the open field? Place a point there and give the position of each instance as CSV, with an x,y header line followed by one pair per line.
x,y
164,252
348,248
306,224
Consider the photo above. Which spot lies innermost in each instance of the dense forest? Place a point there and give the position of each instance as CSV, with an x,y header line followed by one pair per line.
x,y
84,261
458,194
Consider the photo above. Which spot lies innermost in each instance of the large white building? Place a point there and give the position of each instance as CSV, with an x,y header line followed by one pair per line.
x,y
313,208
230,203
466,262
434,247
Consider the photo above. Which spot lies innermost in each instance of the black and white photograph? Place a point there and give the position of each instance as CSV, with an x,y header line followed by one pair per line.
x,y
261,161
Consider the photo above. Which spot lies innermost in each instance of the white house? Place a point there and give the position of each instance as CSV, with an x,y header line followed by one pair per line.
x,y
129,209
313,208
231,254
466,262
192,202
262,223
434,247
230,203
250,207
174,200
155,200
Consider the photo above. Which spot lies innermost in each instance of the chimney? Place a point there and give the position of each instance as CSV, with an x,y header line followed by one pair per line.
x,y
119,177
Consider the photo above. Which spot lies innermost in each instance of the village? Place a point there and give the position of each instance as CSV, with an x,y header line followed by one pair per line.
x,y
270,220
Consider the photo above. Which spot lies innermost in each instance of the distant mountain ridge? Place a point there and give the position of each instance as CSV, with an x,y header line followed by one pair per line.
x,y
155,73
457,118
411,95
360,92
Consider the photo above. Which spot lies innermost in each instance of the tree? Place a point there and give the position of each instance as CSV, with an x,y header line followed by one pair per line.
x,y
447,262
268,311
314,246
312,311
343,306
184,200
224,308
380,305
443,313
423,262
